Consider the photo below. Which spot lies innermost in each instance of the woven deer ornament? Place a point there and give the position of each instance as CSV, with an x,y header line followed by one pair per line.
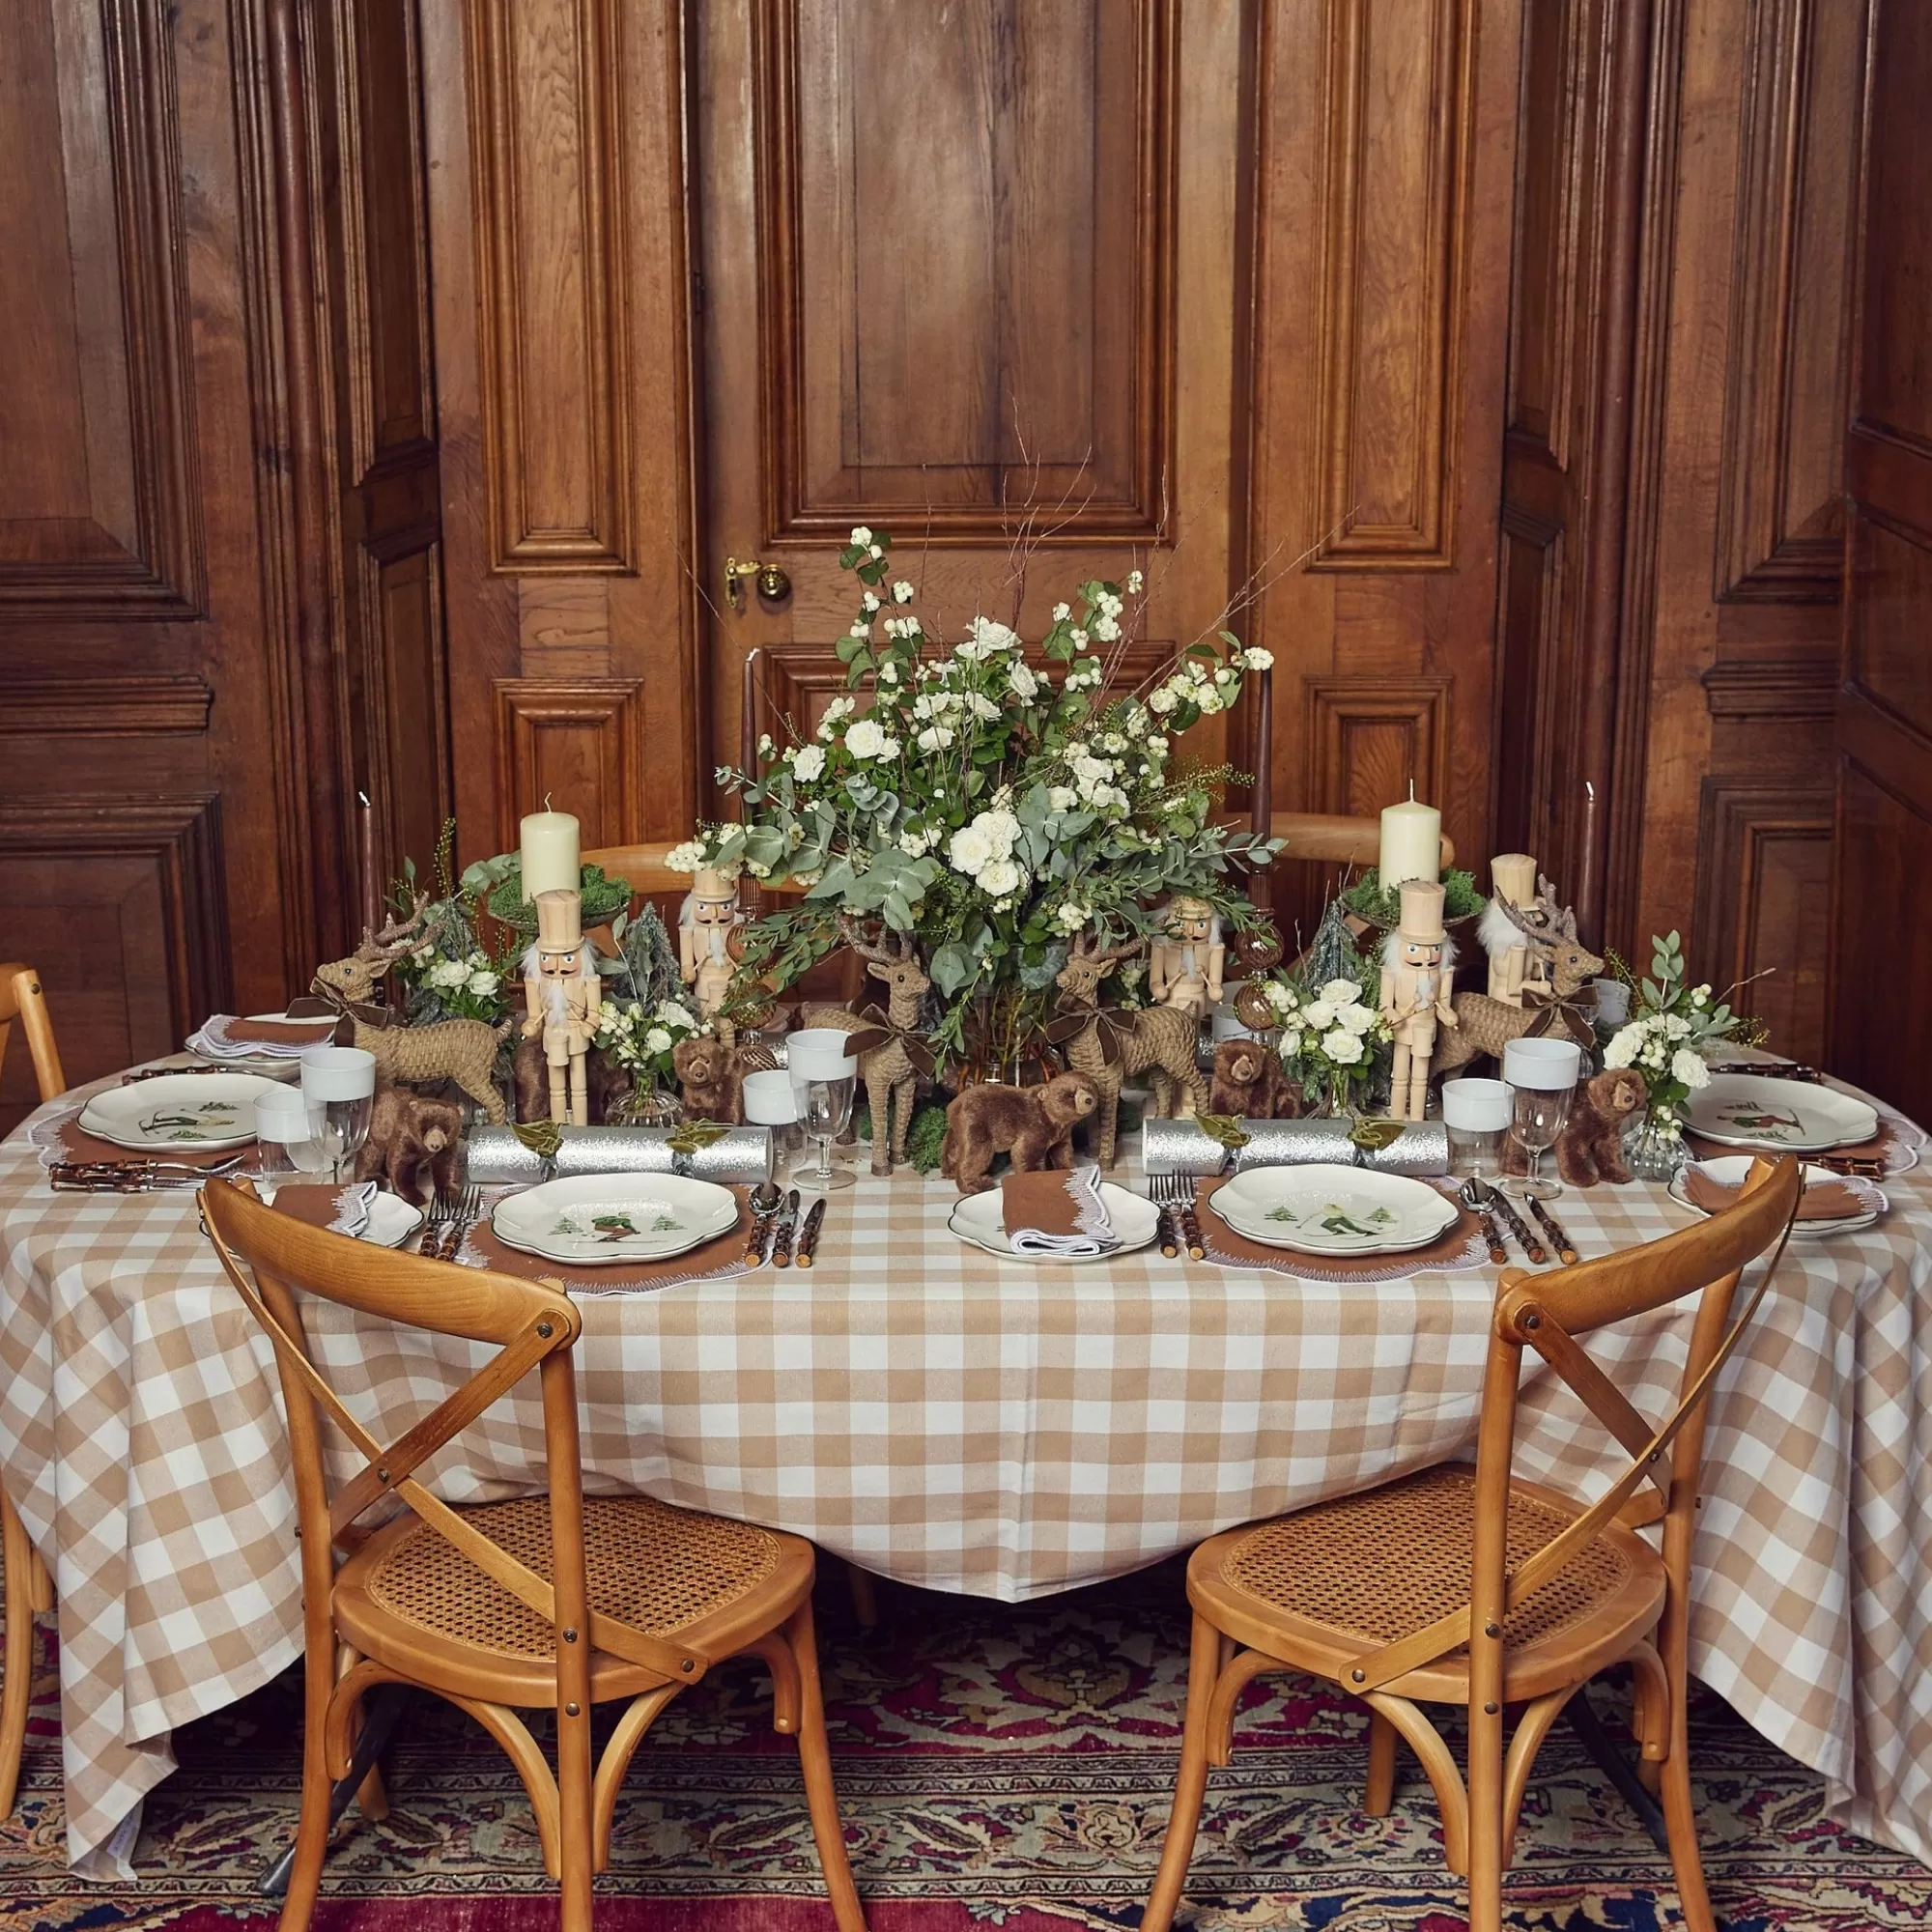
x,y
1486,1025
891,1052
1111,1048
464,1051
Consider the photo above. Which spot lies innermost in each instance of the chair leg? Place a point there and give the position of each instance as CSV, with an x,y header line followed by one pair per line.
x,y
1680,1818
814,1756
317,1788
1486,1818
577,1855
16,1689
1190,1784
864,1597
1379,1796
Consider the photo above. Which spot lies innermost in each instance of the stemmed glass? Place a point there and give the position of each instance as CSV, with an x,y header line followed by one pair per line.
x,y
341,1082
820,1057
828,1108
1541,1075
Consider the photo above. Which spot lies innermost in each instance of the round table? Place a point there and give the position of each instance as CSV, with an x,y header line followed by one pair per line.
x,y
962,1423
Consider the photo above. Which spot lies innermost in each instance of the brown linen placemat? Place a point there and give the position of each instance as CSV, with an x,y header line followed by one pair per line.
x,y
59,1139
1820,1200
1460,1249
1893,1151
715,1261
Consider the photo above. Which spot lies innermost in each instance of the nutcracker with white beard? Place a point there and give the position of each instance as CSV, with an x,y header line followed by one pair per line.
x,y
706,927
1418,971
1185,964
562,997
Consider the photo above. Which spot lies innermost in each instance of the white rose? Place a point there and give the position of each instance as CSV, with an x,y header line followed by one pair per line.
x,y
1341,992
1622,1050
862,536
449,972
483,984
1001,828
1342,1046
1061,798
1281,998
1291,1044
1023,682
657,1040
1689,1068
1676,1026
670,1013
935,738
1357,1020
809,764
1319,1013
998,877
969,850
983,708
865,740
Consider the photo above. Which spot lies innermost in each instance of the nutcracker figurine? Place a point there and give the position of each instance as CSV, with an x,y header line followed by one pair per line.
x,y
1514,963
1185,965
706,927
560,992
1418,965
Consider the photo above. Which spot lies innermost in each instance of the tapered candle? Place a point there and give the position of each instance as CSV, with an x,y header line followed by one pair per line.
x,y
549,853
1412,845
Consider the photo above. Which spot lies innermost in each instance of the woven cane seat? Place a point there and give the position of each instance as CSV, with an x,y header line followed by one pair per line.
x,y
1368,1570
669,1573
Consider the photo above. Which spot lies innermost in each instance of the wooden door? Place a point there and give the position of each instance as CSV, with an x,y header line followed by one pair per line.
x,y
1882,930
946,293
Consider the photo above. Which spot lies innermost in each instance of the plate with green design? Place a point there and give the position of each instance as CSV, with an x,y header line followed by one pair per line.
x,y
614,1218
200,1111
1322,1210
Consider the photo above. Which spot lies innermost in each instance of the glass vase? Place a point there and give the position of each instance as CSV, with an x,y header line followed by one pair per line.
x,y
1654,1147
646,1105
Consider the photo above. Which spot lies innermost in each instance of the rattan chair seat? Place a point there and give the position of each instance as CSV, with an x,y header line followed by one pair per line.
x,y
661,1570
1368,1570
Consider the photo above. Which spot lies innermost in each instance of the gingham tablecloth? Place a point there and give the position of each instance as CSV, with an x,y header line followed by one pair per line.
x,y
966,1423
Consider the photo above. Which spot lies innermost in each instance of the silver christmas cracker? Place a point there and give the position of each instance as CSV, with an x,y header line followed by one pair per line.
x,y
498,1156
1179,1147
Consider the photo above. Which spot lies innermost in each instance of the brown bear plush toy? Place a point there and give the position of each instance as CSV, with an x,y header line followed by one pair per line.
x,y
710,1080
1033,1124
412,1144
1250,1084
1591,1146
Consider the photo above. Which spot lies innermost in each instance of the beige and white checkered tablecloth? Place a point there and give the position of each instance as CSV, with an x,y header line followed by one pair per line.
x,y
966,1423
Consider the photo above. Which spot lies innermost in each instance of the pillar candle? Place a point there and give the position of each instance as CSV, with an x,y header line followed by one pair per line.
x,y
1412,845
549,853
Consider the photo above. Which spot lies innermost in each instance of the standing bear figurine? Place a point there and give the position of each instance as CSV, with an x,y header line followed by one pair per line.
x,y
560,994
1418,965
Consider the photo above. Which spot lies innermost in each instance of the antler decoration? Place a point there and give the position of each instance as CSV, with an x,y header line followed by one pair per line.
x,y
397,937
1545,921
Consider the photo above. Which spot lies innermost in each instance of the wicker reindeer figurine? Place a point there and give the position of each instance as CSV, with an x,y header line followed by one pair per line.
x,y
464,1051
889,1052
1486,1025
1111,1048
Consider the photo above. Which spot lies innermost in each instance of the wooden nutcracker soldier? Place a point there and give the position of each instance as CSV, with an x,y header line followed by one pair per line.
x,y
1514,963
1184,966
1418,966
706,929
560,992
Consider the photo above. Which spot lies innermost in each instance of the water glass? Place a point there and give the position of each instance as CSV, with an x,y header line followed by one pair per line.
x,y
770,1103
287,1142
1542,1077
818,1053
828,1107
1477,1115
340,1080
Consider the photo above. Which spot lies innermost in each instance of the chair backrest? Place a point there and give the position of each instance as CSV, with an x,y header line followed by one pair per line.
x,y
268,1255
1546,1313
22,999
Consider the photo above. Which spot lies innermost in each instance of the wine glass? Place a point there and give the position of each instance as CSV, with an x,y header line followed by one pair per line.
x,y
828,1107
340,1081
1541,1075
820,1052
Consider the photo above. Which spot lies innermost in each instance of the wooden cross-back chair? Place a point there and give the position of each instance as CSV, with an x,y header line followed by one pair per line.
x,y
553,1601
23,1577
1471,1586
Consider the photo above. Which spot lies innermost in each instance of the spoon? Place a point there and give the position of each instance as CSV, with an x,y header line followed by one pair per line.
x,y
1476,1205
1499,1204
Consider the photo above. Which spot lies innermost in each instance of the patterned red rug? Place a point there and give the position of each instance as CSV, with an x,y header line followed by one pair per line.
x,y
999,1767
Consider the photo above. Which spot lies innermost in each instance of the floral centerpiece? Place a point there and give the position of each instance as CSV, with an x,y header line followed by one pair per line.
x,y
447,974
1673,1029
990,801
1329,1037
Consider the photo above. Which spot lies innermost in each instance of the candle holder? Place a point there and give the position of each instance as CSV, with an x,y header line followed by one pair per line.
x,y
603,899
1367,900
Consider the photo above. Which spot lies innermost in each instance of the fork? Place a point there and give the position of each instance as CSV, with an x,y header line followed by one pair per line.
x,y
441,1212
1174,1195
468,1210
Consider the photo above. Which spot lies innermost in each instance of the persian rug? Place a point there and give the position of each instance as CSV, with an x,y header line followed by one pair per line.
x,y
998,1767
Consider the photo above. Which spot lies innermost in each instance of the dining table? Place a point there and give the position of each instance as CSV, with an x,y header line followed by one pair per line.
x,y
960,1422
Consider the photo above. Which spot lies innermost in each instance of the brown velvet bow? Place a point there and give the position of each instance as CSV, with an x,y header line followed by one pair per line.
x,y
1552,1015
1112,1027
878,1031
339,1002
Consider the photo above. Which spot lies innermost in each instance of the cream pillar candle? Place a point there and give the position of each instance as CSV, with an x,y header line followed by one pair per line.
x,y
549,853
1412,845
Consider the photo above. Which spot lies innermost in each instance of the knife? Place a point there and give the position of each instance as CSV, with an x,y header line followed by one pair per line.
x,y
782,1241
807,1236
760,1230
1497,1252
1189,1224
1566,1248
1518,1227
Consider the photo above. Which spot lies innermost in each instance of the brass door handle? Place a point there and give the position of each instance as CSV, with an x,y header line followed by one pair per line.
x,y
770,581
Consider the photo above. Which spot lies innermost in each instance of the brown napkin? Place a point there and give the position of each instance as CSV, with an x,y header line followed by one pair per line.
x,y
322,1205
1462,1249
71,1145
1058,1211
1821,1201
714,1261
272,1033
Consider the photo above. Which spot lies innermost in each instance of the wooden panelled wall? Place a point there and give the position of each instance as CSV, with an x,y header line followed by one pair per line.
x,y
390,382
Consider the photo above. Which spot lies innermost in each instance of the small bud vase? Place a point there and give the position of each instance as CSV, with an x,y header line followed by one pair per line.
x,y
1654,1147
